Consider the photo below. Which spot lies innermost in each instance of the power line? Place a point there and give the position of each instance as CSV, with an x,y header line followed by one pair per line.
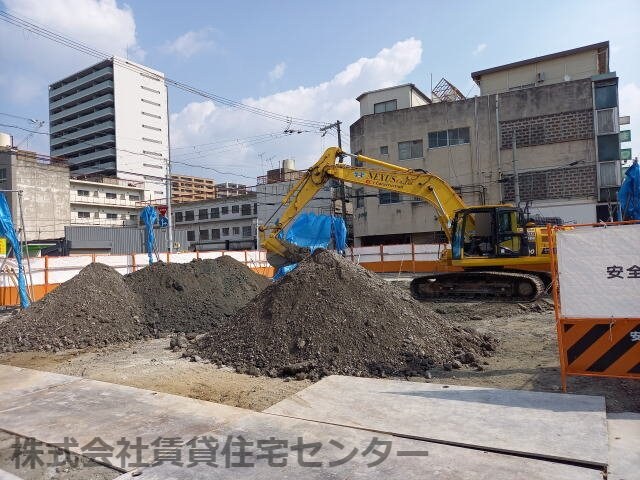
x,y
83,48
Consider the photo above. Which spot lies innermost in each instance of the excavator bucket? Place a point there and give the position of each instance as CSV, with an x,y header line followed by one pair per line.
x,y
285,253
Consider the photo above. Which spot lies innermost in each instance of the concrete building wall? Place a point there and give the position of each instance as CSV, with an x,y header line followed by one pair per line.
x,y
142,126
406,96
45,197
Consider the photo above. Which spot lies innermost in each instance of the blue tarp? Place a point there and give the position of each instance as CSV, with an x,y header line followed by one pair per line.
x,y
7,230
314,231
149,215
629,194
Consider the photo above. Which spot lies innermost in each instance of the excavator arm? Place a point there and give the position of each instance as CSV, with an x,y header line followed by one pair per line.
x,y
385,176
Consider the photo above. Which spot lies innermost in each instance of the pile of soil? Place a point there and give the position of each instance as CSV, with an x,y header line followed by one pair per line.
x,y
330,316
192,297
94,308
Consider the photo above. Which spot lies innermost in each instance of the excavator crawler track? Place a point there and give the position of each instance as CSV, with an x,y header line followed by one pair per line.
x,y
478,285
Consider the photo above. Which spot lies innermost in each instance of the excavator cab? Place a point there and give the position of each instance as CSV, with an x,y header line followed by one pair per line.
x,y
487,232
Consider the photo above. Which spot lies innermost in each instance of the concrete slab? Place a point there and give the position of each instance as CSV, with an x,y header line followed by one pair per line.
x,y
15,381
89,409
554,426
436,461
624,446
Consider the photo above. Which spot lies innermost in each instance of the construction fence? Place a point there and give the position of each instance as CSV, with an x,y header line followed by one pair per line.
x,y
44,274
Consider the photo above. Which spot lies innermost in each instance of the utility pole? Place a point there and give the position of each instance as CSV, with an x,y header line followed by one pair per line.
x,y
341,189
516,183
168,179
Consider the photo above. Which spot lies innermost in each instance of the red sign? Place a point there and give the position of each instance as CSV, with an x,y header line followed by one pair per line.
x,y
162,209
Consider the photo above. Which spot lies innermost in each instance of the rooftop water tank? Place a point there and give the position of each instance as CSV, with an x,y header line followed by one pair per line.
x,y
5,140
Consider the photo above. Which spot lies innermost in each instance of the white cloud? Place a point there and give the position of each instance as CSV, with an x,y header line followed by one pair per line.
x,y
630,105
481,47
277,72
101,24
190,43
204,122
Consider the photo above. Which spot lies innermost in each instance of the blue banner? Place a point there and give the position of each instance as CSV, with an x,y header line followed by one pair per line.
x,y
629,194
149,215
7,230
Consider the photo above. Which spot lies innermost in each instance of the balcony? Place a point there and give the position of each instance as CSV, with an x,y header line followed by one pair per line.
x,y
82,95
88,157
102,73
92,104
90,143
108,112
102,201
85,132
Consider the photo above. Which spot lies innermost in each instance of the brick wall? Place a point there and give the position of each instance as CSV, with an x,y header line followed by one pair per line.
x,y
559,127
572,182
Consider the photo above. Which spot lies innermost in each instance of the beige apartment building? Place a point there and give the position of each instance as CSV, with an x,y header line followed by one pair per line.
x,y
563,109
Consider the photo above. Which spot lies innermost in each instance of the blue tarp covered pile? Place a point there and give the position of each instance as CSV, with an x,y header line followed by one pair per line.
x,y
149,216
629,194
314,231
7,230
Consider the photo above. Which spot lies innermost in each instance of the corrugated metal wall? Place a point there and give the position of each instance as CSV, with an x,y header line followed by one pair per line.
x,y
123,240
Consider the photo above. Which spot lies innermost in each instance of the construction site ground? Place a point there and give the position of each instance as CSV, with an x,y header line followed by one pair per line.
x,y
526,358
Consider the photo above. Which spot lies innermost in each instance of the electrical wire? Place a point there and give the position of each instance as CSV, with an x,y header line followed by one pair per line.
x,y
39,30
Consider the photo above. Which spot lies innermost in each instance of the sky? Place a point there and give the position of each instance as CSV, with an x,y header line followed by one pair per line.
x,y
300,59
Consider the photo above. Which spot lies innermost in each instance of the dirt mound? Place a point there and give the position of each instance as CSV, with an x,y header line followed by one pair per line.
x,y
330,316
192,297
94,308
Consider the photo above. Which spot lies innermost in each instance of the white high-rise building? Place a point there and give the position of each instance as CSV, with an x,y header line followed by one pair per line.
x,y
111,120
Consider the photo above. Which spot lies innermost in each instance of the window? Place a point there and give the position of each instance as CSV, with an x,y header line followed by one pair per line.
x,y
235,208
83,193
458,136
111,196
609,172
224,210
151,165
149,152
246,231
412,149
355,162
151,140
150,102
191,236
215,212
122,196
225,232
134,198
443,138
608,148
133,217
203,214
607,121
84,214
151,128
178,217
149,89
387,106
188,216
3,176
606,96
204,234
151,115
236,230
152,77
246,209
112,216
215,234
255,208
384,150
359,194
386,198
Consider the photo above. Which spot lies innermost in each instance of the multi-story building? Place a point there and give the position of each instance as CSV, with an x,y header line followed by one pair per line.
x,y
106,201
228,223
111,119
44,185
186,188
563,111
228,189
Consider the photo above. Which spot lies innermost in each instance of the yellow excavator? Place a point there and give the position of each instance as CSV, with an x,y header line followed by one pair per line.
x,y
498,255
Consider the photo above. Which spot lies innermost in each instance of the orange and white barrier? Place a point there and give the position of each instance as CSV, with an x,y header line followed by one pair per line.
x,y
596,273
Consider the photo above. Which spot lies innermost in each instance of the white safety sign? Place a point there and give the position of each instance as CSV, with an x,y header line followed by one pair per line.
x,y
599,271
